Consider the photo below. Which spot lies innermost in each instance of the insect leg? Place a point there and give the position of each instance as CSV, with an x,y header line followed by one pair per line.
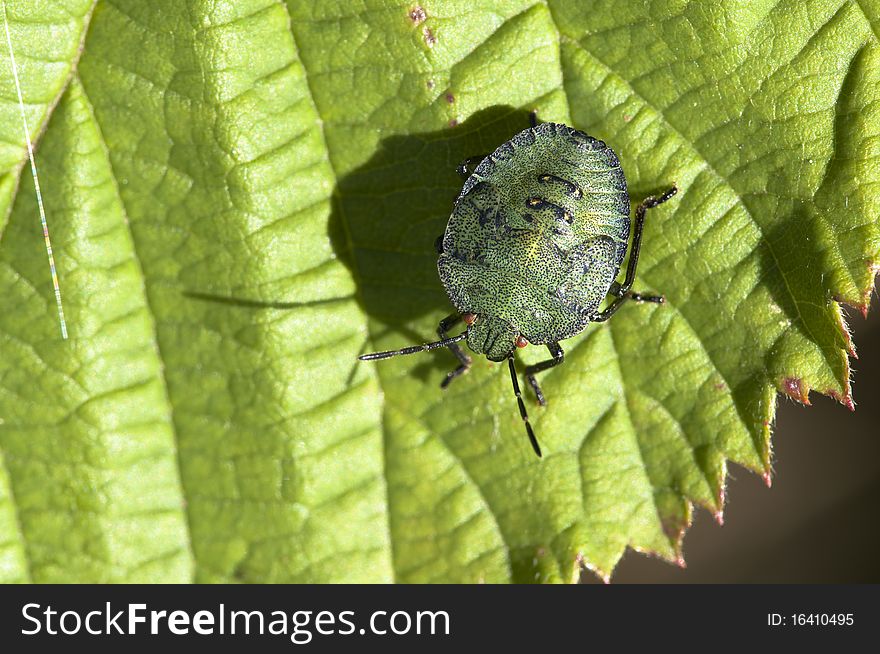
x,y
624,291
616,291
638,297
463,168
558,357
648,203
445,324
533,118
522,408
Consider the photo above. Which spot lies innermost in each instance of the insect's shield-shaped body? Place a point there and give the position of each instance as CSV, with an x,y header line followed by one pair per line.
x,y
536,238
532,248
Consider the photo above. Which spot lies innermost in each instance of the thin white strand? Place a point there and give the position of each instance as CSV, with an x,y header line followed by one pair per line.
x,y
30,151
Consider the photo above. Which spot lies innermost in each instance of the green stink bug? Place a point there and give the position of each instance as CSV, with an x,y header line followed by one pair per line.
x,y
533,246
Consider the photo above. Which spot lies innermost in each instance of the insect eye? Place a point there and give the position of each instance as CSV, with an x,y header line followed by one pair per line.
x,y
469,318
521,341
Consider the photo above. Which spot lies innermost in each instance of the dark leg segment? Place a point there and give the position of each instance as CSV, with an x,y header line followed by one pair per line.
x,y
638,297
533,118
616,291
463,169
558,356
624,292
522,408
465,361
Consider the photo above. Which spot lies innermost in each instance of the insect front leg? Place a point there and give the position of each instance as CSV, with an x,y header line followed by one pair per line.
x,y
558,357
624,292
445,325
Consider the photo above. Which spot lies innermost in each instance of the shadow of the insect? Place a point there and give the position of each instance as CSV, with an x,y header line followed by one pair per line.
x,y
387,214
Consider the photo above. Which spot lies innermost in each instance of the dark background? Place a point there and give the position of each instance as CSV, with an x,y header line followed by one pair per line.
x,y
819,521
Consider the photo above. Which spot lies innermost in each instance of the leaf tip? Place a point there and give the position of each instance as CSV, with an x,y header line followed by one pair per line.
x,y
844,329
768,479
583,563
865,304
845,399
721,490
719,502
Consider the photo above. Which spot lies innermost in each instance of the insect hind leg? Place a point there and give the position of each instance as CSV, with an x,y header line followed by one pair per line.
x,y
616,291
464,360
624,291
639,297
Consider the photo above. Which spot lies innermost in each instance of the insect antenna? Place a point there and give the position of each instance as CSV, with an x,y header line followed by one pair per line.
x,y
522,408
413,349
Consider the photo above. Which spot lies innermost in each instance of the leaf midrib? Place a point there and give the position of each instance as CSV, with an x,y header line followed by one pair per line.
x,y
170,409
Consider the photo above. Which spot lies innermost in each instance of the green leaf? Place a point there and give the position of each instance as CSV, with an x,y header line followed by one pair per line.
x,y
244,196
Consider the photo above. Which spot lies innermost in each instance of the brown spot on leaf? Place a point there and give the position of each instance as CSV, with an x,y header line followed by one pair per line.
x,y
429,37
450,98
417,15
796,390
453,122
431,84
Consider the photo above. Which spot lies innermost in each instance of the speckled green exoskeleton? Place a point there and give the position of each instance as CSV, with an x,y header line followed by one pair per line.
x,y
533,246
